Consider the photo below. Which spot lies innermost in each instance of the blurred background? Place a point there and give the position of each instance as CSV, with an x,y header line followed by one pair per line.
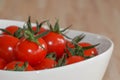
x,y
96,16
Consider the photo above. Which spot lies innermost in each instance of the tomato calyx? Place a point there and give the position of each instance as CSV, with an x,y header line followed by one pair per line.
x,y
28,26
31,37
77,39
20,68
78,50
18,33
3,30
51,55
62,60
56,28
29,34
38,26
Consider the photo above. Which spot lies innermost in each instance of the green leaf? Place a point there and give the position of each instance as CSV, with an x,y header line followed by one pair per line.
x,y
78,38
29,35
18,33
62,61
51,55
3,30
38,28
29,25
24,27
50,26
71,50
42,34
21,68
57,27
78,51
65,28
66,36
39,25
89,47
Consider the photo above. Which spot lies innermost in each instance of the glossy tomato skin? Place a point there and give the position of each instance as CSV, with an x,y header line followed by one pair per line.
x,y
89,52
7,44
11,66
47,63
74,59
12,29
56,43
30,51
2,63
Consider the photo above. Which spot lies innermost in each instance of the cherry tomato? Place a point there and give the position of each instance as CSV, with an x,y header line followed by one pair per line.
x,y
12,29
18,66
46,64
30,51
89,52
74,59
2,63
41,29
7,44
56,43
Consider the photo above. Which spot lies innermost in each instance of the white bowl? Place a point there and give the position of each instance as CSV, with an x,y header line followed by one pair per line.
x,y
91,69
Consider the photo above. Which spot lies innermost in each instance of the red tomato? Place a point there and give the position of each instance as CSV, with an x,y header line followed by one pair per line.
x,y
74,59
18,66
2,63
89,52
41,30
69,44
56,43
30,51
12,29
46,64
7,44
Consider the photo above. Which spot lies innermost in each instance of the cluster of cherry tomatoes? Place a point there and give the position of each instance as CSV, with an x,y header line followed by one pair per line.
x,y
30,47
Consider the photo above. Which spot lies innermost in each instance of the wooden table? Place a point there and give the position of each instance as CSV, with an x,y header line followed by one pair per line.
x,y
96,16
